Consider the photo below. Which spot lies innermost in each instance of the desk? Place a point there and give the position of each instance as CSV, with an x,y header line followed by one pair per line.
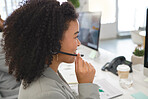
x,y
68,72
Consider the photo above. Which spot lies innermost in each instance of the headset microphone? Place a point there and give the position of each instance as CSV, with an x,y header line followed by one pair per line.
x,y
70,54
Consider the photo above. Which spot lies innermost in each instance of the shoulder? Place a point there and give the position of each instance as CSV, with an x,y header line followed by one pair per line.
x,y
41,88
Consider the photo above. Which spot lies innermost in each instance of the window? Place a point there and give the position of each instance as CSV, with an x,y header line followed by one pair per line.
x,y
8,6
131,14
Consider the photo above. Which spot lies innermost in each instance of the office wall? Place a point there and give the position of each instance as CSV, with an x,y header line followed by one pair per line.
x,y
108,20
108,31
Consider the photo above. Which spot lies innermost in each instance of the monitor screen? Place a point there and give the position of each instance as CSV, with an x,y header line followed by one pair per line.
x,y
89,29
146,47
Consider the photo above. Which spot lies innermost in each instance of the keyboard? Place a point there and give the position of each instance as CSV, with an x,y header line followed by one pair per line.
x,y
108,91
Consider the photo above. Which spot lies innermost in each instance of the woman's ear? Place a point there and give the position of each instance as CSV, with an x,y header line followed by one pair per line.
x,y
61,42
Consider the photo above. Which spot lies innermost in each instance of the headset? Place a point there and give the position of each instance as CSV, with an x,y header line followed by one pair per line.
x,y
70,54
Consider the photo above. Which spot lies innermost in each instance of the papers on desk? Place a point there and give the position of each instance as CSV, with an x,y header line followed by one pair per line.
x,y
139,95
146,80
107,90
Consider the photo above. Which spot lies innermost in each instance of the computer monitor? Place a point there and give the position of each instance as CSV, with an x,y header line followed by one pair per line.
x,y
146,48
89,29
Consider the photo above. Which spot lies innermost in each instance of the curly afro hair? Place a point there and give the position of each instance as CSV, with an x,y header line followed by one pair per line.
x,y
32,34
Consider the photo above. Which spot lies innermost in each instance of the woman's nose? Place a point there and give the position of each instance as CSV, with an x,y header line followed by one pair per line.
x,y
79,43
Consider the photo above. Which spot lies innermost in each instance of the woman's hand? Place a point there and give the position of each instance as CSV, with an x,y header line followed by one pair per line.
x,y
85,72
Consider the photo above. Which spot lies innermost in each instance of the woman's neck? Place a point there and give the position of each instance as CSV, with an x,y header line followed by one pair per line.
x,y
54,65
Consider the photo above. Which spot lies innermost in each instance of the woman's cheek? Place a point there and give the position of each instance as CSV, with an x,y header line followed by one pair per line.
x,y
76,42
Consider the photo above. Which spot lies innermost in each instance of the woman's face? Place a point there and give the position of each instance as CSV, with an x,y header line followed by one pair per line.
x,y
70,42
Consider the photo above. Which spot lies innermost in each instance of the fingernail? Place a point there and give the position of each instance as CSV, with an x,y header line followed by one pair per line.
x,y
78,54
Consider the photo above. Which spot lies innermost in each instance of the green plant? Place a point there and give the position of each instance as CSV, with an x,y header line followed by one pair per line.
x,y
76,3
139,52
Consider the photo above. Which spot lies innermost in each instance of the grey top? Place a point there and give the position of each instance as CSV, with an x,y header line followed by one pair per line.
x,y
52,86
9,88
3,67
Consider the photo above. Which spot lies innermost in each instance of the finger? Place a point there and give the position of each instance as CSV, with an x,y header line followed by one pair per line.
x,y
81,63
77,62
76,65
87,66
92,67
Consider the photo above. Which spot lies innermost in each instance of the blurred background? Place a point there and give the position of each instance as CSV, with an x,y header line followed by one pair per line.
x,y
122,21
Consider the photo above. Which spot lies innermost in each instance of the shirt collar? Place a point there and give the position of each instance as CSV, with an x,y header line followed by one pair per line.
x,y
49,73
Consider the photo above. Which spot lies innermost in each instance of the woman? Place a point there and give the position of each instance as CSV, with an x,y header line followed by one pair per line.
x,y
34,35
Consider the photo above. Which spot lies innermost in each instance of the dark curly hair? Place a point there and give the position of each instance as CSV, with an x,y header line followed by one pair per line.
x,y
32,34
